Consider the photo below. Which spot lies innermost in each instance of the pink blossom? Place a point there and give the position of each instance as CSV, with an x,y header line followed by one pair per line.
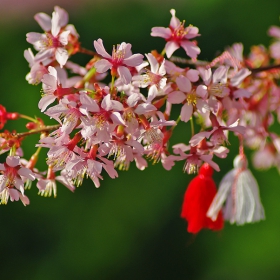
x,y
174,71
194,158
52,43
38,69
190,98
13,179
54,87
217,135
67,113
216,83
178,36
119,61
154,78
79,167
103,120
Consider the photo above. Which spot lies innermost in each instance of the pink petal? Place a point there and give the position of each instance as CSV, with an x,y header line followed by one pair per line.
x,y
24,199
42,55
29,56
184,84
220,75
239,129
197,138
106,103
240,76
61,56
12,161
133,60
274,31
193,75
145,108
161,32
162,70
14,194
213,103
111,171
67,183
33,37
176,97
44,21
63,37
116,105
171,47
191,49
133,99
192,32
202,106
124,74
208,159
88,103
201,91
116,118
102,65
63,16
152,93
206,75
55,27
186,112
45,101
153,63
27,173
100,49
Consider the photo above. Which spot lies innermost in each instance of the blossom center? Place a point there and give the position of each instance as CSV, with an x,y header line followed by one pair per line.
x,y
118,55
50,42
9,176
179,32
191,98
217,89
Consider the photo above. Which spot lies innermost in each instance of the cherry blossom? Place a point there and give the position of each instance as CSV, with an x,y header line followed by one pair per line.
x,y
13,179
119,61
178,36
52,43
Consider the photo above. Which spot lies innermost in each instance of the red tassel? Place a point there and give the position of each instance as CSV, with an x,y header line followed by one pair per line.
x,y
197,200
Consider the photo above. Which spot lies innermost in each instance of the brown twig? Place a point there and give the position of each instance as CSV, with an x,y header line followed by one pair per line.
x,y
35,131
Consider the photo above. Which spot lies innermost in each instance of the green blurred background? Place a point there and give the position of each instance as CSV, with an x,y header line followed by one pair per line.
x,y
130,228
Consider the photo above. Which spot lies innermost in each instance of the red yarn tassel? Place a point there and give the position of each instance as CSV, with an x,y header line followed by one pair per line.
x,y
197,200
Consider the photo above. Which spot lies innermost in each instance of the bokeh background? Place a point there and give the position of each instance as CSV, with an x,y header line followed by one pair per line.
x,y
130,228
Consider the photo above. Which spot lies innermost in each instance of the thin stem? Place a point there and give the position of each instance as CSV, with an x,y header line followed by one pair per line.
x,y
177,121
35,131
38,151
265,68
89,75
181,60
28,118
192,126
112,83
86,51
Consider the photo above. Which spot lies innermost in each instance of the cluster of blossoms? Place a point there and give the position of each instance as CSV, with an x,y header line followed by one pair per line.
x,y
104,127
